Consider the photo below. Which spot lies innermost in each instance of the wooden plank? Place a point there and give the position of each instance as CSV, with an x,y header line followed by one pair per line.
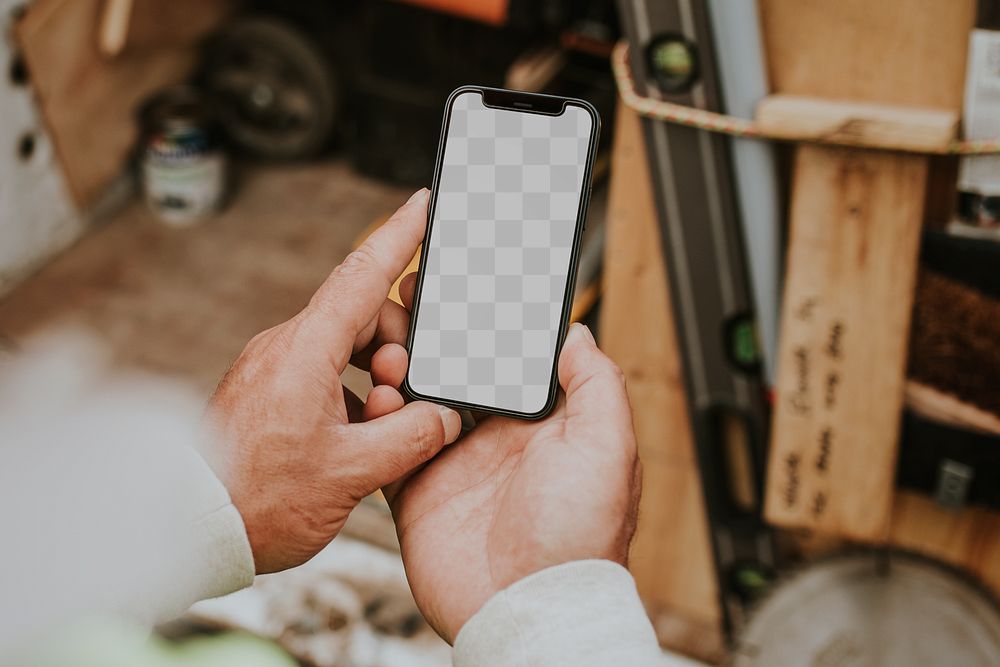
x,y
909,52
800,118
968,539
855,229
671,557
88,102
934,404
855,221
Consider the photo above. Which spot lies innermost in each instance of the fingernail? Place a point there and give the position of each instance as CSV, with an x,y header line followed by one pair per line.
x,y
419,194
452,424
578,329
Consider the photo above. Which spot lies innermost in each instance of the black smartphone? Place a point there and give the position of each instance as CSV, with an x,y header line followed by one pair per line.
x,y
498,269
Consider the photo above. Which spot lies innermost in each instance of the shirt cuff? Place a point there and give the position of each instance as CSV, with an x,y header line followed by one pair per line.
x,y
580,614
219,559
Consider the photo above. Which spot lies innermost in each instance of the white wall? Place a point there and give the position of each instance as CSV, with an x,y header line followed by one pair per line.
x,y
37,217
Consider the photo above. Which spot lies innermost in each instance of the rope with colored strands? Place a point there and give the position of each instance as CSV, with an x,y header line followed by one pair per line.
x,y
737,127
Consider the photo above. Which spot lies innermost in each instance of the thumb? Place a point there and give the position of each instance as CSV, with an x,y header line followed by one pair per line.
x,y
596,399
393,445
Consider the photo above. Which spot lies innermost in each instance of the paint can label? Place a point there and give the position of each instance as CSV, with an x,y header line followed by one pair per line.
x,y
184,176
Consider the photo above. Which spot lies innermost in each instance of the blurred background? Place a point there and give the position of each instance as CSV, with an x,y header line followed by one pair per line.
x,y
793,252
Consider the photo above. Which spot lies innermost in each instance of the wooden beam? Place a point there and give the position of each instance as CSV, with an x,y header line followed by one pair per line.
x,y
799,118
671,557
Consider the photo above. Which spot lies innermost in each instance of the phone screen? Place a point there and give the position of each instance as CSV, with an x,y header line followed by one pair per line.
x,y
493,294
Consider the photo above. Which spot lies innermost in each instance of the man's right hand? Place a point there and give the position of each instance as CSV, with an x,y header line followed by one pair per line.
x,y
296,449
514,497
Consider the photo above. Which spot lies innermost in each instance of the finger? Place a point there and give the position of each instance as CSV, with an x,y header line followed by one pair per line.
x,y
596,399
407,286
353,294
389,365
382,400
390,446
392,325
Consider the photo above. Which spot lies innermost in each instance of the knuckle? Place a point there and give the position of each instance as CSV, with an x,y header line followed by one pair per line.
x,y
264,339
362,259
429,435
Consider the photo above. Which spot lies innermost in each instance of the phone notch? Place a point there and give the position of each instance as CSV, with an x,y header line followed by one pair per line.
x,y
514,100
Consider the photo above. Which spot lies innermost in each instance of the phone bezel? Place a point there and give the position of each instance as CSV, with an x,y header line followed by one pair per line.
x,y
521,102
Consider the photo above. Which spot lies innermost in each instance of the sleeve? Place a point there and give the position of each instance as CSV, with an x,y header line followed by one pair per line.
x,y
218,556
579,614
180,539
106,504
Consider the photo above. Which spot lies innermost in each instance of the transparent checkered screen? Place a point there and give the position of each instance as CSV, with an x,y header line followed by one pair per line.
x,y
498,258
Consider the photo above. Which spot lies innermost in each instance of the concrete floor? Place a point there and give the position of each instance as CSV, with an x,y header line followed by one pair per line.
x,y
183,302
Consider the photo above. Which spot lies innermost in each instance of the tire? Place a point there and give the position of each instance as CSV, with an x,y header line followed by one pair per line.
x,y
275,91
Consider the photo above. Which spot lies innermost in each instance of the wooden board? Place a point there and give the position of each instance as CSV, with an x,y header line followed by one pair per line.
x,y
855,231
968,539
812,119
855,221
934,404
88,102
909,52
671,557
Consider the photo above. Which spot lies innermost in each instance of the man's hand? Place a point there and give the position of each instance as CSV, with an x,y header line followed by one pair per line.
x,y
514,497
290,451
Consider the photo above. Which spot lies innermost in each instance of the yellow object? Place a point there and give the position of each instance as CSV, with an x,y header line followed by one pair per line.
x,y
410,268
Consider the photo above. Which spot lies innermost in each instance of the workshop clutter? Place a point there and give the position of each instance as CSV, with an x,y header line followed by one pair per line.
x,y
832,432
791,251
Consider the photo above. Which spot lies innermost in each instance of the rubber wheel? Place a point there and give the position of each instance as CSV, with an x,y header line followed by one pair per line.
x,y
276,92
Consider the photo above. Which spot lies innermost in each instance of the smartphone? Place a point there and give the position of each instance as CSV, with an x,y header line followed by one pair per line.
x,y
498,269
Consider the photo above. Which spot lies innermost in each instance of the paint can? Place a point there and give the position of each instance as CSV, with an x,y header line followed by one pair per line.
x,y
183,164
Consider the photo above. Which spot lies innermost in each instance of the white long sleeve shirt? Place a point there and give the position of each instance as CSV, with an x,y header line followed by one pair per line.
x,y
579,614
102,512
